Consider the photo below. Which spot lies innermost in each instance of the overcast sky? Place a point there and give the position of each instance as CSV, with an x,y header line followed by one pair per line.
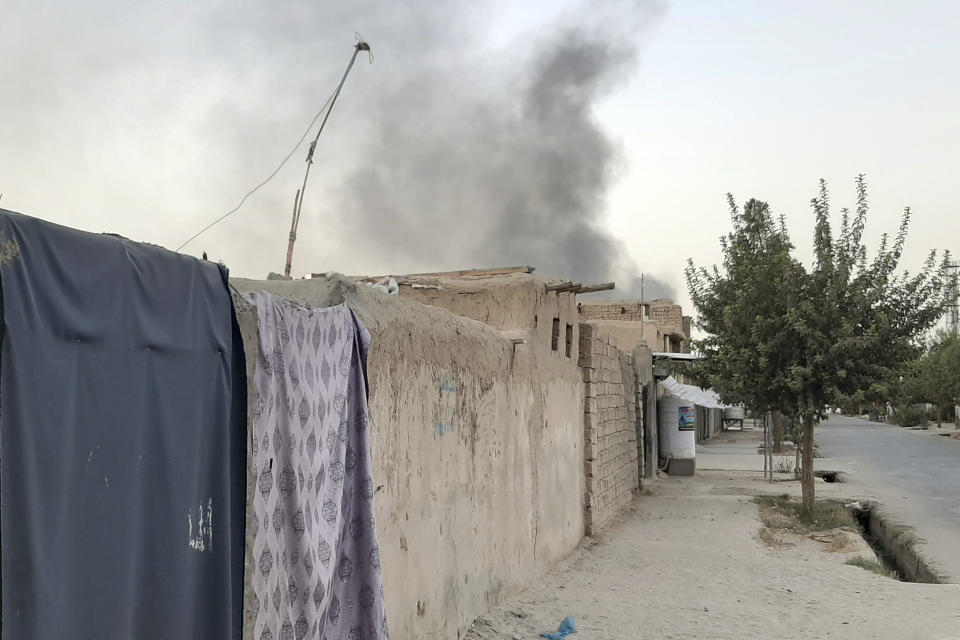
x,y
594,140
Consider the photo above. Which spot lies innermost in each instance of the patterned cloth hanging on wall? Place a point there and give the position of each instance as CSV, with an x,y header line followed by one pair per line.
x,y
315,556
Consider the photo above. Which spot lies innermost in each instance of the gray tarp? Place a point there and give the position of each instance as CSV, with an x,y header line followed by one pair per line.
x,y
123,423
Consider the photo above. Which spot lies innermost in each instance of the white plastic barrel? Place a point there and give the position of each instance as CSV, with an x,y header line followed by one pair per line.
x,y
677,441
733,413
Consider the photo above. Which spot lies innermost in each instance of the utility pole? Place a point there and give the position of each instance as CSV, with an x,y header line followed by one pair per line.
x,y
953,298
643,312
298,199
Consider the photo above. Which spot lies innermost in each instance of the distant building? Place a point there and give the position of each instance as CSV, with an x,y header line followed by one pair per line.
x,y
540,311
659,324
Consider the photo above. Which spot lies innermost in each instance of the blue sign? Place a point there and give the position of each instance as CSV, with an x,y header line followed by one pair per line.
x,y
688,418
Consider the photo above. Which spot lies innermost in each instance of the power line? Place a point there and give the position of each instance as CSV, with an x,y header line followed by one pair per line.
x,y
268,178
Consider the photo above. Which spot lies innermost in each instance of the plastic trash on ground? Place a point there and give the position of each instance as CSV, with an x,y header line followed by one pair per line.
x,y
566,627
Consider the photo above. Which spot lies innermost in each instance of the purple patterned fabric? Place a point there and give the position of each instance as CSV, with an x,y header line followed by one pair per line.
x,y
316,559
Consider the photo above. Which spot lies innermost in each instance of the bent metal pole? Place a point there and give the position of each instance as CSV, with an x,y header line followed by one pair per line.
x,y
298,199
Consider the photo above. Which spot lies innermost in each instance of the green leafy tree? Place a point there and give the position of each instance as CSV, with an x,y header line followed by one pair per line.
x,y
741,310
937,374
783,336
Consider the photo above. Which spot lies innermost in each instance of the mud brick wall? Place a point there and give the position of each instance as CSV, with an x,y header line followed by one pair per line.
x,y
626,310
665,313
633,401
610,433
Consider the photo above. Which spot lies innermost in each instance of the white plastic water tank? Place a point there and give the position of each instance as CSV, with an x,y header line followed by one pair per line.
x,y
677,441
733,413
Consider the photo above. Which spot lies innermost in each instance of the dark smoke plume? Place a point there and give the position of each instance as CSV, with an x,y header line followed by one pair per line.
x,y
652,288
483,166
463,145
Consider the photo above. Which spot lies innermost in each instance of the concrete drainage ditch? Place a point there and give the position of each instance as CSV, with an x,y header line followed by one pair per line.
x,y
893,543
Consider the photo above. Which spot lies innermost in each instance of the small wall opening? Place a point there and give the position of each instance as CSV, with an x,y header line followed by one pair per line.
x,y
555,338
569,340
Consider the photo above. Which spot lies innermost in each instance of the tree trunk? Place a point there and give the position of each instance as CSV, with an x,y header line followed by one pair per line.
x,y
796,461
806,475
777,432
939,415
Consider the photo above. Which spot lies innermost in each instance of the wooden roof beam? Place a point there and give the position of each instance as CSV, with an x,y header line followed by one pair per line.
x,y
465,273
561,287
592,288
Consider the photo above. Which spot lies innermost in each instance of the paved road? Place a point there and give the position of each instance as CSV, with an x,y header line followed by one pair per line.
x,y
915,475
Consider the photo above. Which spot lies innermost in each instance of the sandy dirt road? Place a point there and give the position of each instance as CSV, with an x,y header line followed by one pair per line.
x,y
684,561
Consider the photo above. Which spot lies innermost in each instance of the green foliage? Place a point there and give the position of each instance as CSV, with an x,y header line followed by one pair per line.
x,y
676,368
935,378
742,309
783,513
910,415
783,336
850,406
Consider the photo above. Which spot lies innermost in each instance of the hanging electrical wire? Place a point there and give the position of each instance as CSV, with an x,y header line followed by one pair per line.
x,y
326,108
267,179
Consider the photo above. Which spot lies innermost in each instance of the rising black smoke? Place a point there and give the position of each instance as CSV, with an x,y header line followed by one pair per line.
x,y
483,166
650,287
453,150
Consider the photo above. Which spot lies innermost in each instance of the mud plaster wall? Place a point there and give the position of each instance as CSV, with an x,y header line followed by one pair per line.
x,y
518,304
610,427
478,455
506,301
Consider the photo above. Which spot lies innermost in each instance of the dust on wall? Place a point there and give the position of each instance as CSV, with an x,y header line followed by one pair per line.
x,y
477,446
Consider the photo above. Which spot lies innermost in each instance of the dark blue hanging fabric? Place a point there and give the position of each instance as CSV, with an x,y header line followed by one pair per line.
x,y
122,440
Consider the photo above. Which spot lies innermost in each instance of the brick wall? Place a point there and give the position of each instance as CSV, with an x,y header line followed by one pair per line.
x,y
667,315
626,310
687,322
610,427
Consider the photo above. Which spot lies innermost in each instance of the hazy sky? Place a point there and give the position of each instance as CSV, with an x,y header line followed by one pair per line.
x,y
597,139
